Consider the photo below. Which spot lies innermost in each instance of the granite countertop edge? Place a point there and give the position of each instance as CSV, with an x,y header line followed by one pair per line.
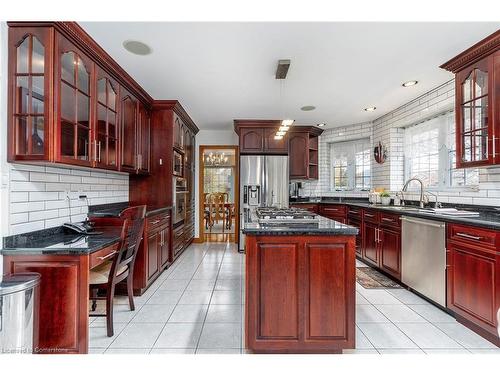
x,y
475,221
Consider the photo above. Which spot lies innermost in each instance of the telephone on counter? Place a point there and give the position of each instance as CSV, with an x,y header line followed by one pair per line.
x,y
85,227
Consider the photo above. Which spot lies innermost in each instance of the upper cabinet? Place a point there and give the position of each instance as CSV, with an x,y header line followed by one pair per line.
x,y
107,126
70,103
303,151
257,137
30,93
74,121
477,103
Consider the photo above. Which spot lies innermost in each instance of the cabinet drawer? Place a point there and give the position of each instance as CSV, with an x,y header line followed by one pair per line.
x,y
472,235
390,220
154,222
312,207
333,210
355,212
371,216
102,255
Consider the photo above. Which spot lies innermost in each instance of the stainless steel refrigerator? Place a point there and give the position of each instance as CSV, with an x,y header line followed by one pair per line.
x,y
263,183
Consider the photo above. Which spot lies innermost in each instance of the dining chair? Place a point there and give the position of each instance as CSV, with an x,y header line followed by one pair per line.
x,y
105,276
207,209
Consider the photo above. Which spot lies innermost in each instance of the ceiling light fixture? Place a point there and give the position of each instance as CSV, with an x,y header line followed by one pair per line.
x,y
370,109
307,108
321,124
137,48
287,122
409,83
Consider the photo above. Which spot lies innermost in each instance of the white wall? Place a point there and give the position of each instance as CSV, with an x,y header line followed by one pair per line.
x,y
47,196
209,138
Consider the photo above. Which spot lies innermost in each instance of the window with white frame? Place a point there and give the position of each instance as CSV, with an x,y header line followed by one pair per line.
x,y
351,165
430,154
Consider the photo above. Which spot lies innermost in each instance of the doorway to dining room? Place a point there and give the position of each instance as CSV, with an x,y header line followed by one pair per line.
x,y
219,193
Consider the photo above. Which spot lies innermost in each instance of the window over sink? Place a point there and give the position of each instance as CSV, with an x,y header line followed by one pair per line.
x,y
430,154
350,165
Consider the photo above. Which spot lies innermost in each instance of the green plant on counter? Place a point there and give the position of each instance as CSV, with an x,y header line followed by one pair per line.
x,y
385,194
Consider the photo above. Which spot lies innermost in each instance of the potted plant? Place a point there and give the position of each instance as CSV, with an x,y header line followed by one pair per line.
x,y
385,198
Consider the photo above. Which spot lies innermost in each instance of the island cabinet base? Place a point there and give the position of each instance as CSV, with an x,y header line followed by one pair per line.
x,y
300,293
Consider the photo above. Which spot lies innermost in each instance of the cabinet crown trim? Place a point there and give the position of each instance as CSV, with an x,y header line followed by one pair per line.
x,y
475,53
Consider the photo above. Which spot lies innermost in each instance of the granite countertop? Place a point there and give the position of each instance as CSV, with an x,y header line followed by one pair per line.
x,y
489,217
324,227
59,241
114,209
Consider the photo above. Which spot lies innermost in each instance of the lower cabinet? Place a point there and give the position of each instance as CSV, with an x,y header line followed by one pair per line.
x,y
473,277
335,212
381,234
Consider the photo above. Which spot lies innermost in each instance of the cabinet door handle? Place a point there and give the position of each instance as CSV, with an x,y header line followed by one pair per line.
x,y
107,256
155,222
369,215
469,236
387,219
331,209
354,212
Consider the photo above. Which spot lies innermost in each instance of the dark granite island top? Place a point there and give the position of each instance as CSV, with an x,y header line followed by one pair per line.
x,y
324,227
58,241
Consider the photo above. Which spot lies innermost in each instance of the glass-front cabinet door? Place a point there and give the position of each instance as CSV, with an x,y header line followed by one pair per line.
x,y
474,116
75,124
29,100
106,134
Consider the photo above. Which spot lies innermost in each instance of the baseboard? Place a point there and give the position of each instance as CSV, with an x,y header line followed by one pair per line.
x,y
198,240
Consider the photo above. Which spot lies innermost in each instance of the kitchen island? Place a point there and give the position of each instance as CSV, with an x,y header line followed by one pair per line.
x,y
300,286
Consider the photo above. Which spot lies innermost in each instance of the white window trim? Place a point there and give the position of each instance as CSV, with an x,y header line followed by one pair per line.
x,y
443,164
351,167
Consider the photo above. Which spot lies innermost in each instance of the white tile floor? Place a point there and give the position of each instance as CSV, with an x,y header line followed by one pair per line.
x,y
196,306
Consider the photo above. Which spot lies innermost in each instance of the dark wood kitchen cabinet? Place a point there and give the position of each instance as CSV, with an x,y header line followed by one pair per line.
x,y
381,238
303,144
107,128
75,95
257,137
477,103
337,212
30,93
69,102
355,218
473,278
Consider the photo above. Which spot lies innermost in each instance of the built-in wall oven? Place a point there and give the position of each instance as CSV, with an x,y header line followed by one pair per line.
x,y
178,164
179,199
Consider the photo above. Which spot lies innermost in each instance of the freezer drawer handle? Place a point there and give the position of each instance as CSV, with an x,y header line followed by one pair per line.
x,y
469,236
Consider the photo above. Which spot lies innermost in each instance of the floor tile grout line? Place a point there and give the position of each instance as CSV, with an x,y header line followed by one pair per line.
x,y
177,303
209,302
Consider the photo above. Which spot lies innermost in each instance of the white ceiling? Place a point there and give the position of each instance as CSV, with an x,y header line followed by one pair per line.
x,y
223,71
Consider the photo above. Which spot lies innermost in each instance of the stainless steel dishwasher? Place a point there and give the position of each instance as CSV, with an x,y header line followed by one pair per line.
x,y
423,257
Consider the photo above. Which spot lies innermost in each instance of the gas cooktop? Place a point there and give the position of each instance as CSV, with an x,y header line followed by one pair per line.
x,y
285,215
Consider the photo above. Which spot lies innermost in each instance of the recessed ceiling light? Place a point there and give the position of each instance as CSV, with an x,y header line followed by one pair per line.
x,y
280,133
370,109
321,124
287,122
308,108
136,47
409,83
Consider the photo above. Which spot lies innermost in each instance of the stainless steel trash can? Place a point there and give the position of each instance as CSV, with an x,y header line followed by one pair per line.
x,y
19,312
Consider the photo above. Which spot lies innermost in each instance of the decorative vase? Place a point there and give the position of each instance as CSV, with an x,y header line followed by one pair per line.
x,y
386,200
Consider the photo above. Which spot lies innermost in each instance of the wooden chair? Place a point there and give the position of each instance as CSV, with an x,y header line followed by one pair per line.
x,y
218,212
206,210
105,276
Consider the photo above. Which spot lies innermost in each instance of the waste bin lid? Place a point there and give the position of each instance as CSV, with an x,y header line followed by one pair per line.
x,y
18,282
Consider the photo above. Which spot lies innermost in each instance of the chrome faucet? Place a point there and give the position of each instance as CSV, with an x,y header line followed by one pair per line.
x,y
437,204
405,187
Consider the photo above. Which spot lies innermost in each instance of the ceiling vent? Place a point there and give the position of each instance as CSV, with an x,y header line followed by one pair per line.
x,y
282,69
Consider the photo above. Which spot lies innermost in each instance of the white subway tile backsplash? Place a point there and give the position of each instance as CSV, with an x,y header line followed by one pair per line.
x,y
38,194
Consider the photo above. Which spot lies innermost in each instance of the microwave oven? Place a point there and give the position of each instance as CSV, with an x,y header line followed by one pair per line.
x,y
178,164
